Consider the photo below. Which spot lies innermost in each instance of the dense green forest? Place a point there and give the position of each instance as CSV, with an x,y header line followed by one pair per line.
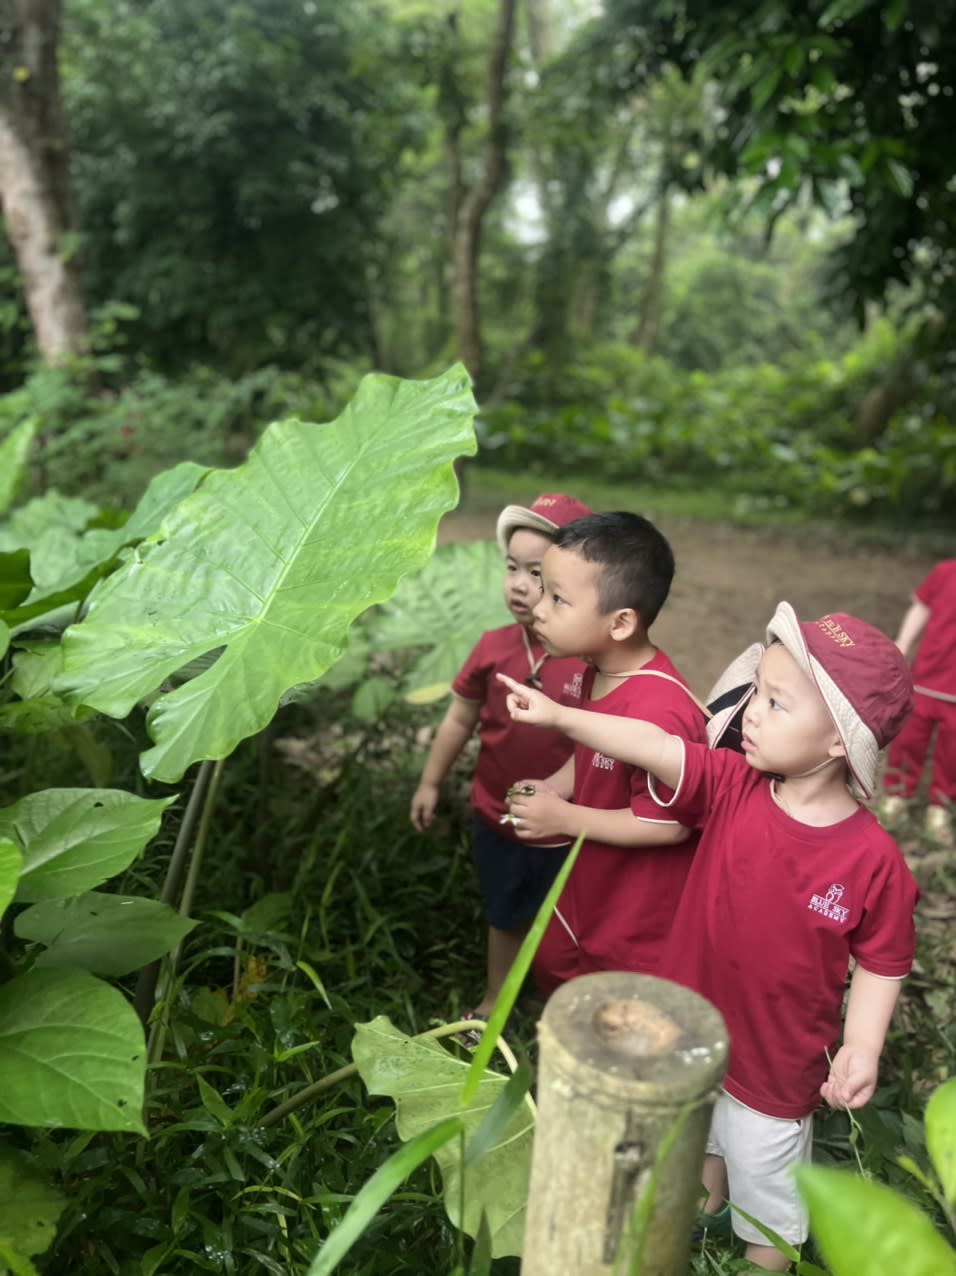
x,y
693,256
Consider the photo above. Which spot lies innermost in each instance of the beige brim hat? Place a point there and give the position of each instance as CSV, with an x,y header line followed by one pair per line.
x,y
561,510
730,693
514,516
859,743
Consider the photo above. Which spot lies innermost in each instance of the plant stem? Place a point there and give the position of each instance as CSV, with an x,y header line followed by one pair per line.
x,y
145,996
157,1037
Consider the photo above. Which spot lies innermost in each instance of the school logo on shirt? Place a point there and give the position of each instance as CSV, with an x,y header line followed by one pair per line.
x,y
575,686
829,904
603,762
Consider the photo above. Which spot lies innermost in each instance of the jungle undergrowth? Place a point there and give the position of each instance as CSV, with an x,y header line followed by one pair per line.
x,y
323,908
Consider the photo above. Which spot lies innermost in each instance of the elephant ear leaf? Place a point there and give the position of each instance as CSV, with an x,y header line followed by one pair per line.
x,y
425,1081
431,609
268,565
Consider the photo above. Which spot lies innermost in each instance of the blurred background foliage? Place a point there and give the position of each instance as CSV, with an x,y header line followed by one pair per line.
x,y
677,241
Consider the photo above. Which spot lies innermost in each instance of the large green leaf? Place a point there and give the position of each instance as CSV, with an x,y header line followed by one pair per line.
x,y
446,607
941,1136
13,458
11,862
69,554
46,513
72,1053
74,839
104,934
4,638
425,1081
35,666
29,1206
15,579
272,562
864,1227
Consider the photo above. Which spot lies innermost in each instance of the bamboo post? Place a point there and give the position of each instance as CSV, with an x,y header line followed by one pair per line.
x,y
629,1069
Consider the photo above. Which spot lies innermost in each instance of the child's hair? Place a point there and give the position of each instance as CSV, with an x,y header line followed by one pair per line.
x,y
636,561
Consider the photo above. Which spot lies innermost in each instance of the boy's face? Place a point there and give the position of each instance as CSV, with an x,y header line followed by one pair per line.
x,y
568,617
786,727
526,549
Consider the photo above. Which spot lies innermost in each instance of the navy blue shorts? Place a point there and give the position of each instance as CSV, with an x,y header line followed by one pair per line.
x,y
514,878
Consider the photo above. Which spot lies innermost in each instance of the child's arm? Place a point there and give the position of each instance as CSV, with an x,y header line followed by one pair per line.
x,y
632,740
912,626
546,814
853,1071
450,738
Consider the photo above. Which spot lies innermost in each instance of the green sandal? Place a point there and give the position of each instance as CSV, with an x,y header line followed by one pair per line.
x,y
718,1224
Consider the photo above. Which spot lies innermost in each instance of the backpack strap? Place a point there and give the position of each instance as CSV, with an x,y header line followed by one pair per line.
x,y
657,673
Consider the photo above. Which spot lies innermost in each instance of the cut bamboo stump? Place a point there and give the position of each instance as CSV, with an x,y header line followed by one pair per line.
x,y
629,1069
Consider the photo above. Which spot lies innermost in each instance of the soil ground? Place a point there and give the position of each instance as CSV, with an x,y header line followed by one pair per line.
x,y
730,579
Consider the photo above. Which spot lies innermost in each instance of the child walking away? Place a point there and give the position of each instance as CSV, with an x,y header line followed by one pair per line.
x,y
931,622
514,876
793,877
605,579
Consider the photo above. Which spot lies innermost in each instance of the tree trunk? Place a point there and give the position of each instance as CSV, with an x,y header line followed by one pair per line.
x,y
472,209
34,175
649,324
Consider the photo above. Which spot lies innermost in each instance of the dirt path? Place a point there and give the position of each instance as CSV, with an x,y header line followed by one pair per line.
x,y
730,579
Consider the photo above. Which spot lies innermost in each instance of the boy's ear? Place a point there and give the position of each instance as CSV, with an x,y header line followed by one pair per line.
x,y
836,749
624,624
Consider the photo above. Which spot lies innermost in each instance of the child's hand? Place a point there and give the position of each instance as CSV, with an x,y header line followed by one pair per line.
x,y
424,802
537,815
527,705
852,1078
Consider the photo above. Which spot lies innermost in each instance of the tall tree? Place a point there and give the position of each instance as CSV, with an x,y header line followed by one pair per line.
x,y
35,192
232,165
468,205
847,102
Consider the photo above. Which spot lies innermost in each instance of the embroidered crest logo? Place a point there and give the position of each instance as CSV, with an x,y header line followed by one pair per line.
x,y
829,904
603,762
575,686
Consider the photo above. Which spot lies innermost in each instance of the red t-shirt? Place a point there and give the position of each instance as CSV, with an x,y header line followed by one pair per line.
x,y
619,901
510,750
934,666
770,915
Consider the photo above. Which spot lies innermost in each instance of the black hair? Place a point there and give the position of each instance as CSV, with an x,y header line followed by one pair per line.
x,y
636,561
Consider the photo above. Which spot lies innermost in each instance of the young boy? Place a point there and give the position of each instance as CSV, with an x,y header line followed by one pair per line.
x,y
932,618
514,877
605,579
793,876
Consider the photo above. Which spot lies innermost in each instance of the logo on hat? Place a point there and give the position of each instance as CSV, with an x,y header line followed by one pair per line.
x,y
833,629
829,904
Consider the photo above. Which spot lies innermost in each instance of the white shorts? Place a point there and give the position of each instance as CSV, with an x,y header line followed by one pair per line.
x,y
760,1153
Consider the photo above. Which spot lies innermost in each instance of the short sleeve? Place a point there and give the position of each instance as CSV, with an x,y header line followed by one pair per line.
x,y
704,774
471,682
884,942
938,581
680,718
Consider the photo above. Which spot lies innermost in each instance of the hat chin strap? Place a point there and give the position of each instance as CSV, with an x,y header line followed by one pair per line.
x,y
813,770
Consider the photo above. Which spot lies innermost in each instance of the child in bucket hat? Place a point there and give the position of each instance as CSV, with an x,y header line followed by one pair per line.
x,y
793,876
514,876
